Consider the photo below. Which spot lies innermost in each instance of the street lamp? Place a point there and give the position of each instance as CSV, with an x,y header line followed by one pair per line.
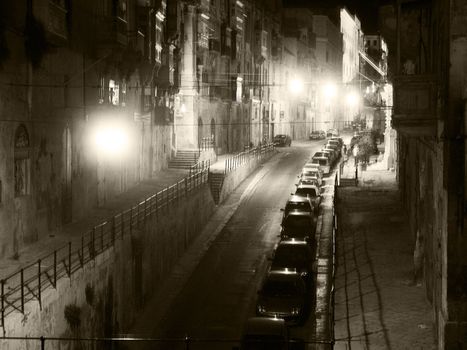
x,y
296,86
355,154
329,90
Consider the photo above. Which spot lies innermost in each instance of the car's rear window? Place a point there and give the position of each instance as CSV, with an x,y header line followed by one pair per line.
x,y
280,288
306,192
297,222
302,206
323,162
290,256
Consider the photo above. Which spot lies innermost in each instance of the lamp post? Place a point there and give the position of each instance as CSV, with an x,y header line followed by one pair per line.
x,y
355,154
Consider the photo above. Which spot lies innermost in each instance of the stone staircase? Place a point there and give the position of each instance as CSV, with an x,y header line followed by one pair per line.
x,y
216,180
184,159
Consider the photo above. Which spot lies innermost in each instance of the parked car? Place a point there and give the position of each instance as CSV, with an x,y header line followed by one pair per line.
x,y
331,154
268,333
299,226
332,132
282,140
263,333
317,135
308,180
315,173
338,139
336,148
298,204
283,294
310,191
314,167
334,142
296,256
324,163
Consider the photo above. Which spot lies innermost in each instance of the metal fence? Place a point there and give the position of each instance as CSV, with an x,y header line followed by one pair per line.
x,y
30,281
184,343
334,262
200,166
239,159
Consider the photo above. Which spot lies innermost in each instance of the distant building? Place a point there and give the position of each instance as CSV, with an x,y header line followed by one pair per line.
x,y
352,43
329,71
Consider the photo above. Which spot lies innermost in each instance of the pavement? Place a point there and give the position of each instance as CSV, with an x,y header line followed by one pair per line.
x,y
377,303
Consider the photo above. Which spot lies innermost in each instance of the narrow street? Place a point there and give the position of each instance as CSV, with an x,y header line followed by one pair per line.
x,y
220,294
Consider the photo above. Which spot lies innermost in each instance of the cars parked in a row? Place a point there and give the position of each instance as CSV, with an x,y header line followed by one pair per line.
x,y
287,291
328,155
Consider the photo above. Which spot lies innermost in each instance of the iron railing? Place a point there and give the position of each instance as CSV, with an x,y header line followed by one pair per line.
x,y
30,281
239,159
200,166
184,343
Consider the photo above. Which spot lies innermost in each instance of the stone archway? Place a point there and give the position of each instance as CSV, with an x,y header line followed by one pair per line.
x,y
213,132
200,132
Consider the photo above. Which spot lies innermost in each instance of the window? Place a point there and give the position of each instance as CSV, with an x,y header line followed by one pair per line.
x,y
123,94
22,162
114,91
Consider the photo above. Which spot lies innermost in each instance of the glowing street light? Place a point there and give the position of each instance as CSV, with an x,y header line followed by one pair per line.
x,y
111,139
296,86
329,90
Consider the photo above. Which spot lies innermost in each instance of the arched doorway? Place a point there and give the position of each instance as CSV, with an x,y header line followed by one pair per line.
x,y
22,162
213,133
200,132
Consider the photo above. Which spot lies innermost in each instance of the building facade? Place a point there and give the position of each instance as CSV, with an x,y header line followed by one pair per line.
x,y
329,72
429,116
79,72
352,37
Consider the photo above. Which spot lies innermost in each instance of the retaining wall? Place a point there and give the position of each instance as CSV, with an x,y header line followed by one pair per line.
x,y
236,176
104,297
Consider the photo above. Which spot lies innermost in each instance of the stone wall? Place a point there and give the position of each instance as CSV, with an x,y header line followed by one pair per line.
x,y
236,176
104,297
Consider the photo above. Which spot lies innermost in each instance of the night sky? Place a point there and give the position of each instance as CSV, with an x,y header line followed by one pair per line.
x,y
366,10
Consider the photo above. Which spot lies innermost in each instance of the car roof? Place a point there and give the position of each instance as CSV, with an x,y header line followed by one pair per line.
x,y
298,213
292,243
321,158
295,198
265,326
307,186
282,275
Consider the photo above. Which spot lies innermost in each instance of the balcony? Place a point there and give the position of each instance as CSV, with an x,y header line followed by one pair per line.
x,y
214,45
415,105
141,43
112,31
53,16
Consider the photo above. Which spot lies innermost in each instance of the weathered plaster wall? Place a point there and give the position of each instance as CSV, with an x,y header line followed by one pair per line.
x,y
48,101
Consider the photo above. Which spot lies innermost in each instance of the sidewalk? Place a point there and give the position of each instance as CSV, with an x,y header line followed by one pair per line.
x,y
377,305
